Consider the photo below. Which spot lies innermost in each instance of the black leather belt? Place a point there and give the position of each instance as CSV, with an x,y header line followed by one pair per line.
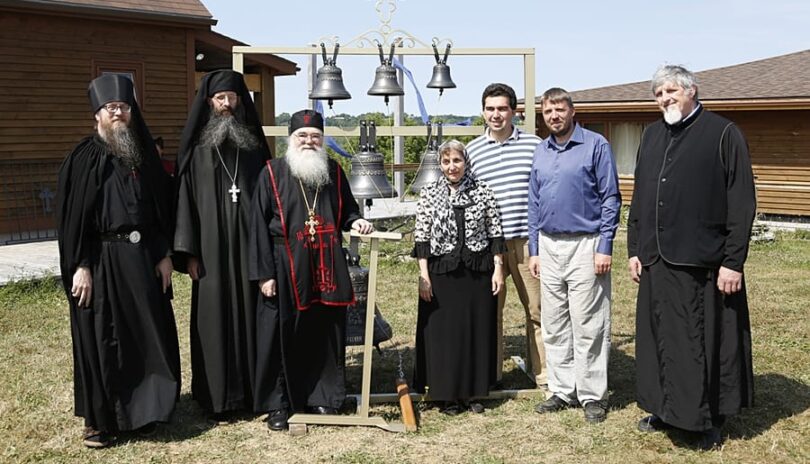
x,y
131,237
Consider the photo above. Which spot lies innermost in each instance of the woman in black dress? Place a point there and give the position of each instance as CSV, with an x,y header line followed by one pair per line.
x,y
459,245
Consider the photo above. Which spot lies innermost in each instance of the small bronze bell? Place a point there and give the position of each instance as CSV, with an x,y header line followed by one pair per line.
x,y
329,83
385,80
441,72
429,171
356,313
368,178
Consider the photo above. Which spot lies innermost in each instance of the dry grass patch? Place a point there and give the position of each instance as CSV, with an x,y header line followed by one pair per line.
x,y
36,399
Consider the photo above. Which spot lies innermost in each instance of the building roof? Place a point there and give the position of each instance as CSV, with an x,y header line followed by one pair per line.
x,y
773,83
176,10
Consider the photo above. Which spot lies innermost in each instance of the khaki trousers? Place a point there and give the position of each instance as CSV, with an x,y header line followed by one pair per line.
x,y
516,264
576,317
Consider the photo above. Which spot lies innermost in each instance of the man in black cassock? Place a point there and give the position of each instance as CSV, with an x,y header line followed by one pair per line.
x,y
114,220
222,150
689,227
302,203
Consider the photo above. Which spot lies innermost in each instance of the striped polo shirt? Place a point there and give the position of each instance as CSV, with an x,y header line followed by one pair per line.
x,y
505,168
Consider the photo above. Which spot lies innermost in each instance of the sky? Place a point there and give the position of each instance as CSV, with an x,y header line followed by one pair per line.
x,y
578,44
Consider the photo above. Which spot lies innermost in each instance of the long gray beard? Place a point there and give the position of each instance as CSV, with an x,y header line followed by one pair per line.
x,y
311,167
221,128
124,145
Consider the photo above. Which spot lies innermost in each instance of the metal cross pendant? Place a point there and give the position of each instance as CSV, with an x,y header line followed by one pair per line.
x,y
311,223
234,191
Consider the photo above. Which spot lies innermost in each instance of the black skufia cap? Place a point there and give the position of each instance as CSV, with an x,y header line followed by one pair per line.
x,y
110,87
306,118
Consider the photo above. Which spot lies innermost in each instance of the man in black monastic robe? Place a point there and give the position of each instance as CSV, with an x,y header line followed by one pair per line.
x,y
222,150
114,223
302,203
689,227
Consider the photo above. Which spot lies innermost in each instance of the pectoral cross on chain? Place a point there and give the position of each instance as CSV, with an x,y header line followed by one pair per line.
x,y
234,191
311,223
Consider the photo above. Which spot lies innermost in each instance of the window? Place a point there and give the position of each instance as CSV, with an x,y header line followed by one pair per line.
x,y
625,137
132,70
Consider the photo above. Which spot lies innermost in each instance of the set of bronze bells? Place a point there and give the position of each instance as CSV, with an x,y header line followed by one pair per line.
x,y
329,80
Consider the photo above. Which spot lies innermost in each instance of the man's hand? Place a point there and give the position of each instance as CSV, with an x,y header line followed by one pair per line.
x,y
268,287
425,288
194,268
164,270
634,264
363,226
534,266
601,263
82,286
729,281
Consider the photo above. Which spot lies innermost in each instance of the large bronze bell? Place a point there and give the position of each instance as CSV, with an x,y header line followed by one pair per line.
x,y
329,83
429,171
368,179
441,72
356,313
385,80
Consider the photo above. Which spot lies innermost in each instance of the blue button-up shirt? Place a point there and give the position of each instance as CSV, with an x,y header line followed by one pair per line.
x,y
574,189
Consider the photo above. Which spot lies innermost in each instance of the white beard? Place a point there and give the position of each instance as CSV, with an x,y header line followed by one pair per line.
x,y
310,166
672,115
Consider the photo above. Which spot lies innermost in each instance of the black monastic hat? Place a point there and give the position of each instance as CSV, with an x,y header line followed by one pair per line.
x,y
110,87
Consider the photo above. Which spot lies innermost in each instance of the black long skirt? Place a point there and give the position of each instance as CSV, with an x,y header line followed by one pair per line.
x,y
455,337
693,347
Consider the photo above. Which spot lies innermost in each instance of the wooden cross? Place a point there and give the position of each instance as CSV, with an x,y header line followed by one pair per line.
x,y
233,191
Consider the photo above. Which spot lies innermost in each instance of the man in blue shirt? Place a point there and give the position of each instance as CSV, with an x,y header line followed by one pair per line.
x,y
574,205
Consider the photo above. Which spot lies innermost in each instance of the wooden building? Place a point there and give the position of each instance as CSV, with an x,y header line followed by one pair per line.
x,y
768,99
49,52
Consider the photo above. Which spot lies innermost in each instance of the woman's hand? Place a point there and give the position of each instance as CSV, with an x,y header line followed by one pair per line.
x,y
425,288
497,279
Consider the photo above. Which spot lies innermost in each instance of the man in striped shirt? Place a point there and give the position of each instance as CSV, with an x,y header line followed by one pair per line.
x,y
502,158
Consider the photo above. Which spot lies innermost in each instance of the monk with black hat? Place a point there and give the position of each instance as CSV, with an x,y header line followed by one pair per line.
x,y
222,150
301,204
115,231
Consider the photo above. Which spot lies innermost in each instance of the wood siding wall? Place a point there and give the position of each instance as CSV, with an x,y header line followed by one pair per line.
x,y
779,142
47,63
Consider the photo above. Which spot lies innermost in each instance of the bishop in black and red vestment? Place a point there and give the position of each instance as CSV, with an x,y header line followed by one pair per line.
x,y
301,204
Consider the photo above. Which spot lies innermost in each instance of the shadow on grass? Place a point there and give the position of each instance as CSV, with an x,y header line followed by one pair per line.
x,y
189,421
776,397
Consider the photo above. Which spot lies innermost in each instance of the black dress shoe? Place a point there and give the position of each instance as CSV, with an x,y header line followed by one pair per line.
x,y
451,408
553,404
323,410
711,439
652,423
277,420
475,407
595,412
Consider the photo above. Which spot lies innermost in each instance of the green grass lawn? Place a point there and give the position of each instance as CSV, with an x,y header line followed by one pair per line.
x,y
36,392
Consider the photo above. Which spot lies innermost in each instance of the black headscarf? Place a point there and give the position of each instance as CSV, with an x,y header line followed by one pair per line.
x,y
213,82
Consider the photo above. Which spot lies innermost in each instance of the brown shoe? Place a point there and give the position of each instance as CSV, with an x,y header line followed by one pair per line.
x,y
93,438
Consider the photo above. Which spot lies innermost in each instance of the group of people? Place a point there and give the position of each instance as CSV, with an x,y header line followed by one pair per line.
x,y
546,212
260,238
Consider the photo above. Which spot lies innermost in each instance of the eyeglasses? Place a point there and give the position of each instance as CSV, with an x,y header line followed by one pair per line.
x,y
112,108
303,136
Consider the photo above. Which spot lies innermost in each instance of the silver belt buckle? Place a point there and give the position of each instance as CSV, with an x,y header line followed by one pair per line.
x,y
134,236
